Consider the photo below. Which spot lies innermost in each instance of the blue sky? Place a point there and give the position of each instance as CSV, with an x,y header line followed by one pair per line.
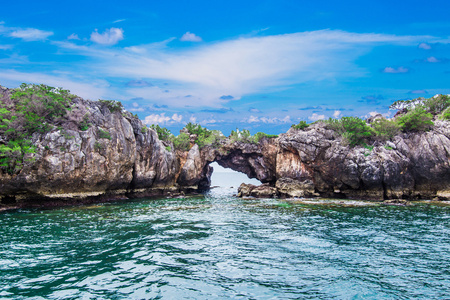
x,y
259,65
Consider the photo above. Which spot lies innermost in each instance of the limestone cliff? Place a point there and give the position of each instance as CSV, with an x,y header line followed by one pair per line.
x,y
115,155
118,156
317,162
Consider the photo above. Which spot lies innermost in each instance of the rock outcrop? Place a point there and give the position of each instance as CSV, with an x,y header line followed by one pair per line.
x,y
73,163
118,156
316,162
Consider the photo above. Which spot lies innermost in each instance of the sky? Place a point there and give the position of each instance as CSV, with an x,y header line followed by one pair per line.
x,y
259,65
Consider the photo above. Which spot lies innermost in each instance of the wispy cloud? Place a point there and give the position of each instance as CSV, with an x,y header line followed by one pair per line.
x,y
109,37
190,37
418,92
30,34
118,21
138,83
162,119
398,70
336,113
218,111
267,120
254,110
215,73
89,89
316,117
73,36
6,47
424,46
242,66
15,59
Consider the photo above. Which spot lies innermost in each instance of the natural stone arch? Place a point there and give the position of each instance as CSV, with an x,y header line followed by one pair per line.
x,y
255,160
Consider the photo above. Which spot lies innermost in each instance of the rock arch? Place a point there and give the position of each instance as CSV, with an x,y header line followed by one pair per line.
x,y
255,160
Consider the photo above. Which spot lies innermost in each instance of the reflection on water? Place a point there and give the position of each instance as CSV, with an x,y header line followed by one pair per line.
x,y
219,246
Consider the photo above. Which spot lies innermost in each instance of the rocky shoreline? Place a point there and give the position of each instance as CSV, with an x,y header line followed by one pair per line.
x,y
117,156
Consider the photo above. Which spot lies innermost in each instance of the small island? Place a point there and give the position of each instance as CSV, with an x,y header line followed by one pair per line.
x,y
58,147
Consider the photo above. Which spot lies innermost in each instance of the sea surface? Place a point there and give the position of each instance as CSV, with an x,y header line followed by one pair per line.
x,y
218,246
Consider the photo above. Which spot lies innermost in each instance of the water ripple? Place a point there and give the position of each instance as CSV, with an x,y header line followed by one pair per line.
x,y
222,247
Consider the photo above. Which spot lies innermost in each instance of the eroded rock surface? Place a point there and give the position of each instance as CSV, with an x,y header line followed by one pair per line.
x,y
130,161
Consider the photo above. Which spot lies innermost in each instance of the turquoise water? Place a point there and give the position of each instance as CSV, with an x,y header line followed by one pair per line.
x,y
222,247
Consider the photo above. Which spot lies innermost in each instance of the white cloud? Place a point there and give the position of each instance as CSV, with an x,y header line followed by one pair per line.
x,y
73,36
15,59
193,119
177,118
433,59
249,65
139,109
235,67
5,47
190,37
424,46
418,92
118,21
252,119
315,117
208,121
395,70
94,89
336,114
30,34
110,37
267,120
162,119
254,110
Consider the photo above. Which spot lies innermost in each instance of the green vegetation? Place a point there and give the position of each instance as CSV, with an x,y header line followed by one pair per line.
x,y
354,130
417,116
85,124
182,142
369,148
246,137
445,115
416,119
112,105
66,135
259,135
204,136
103,134
437,104
385,129
30,109
241,136
98,146
164,134
12,155
419,112
300,126
144,129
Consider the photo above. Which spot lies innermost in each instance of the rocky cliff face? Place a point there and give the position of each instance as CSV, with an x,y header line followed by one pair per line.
x,y
117,156
412,166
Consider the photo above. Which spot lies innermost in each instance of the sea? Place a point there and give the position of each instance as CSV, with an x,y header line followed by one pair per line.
x,y
219,246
